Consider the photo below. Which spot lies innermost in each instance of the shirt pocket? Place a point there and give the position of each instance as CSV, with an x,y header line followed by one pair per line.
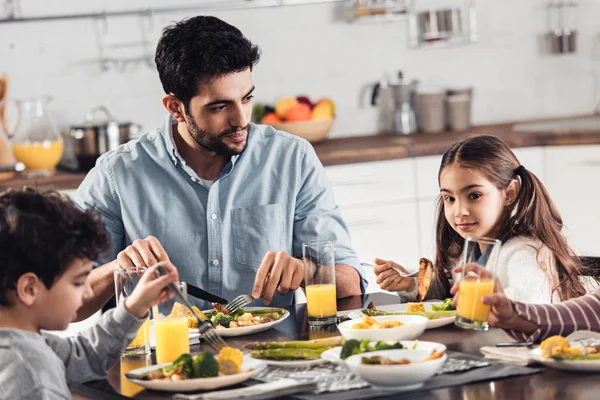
x,y
257,230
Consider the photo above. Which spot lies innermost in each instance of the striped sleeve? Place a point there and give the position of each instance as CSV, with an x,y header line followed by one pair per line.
x,y
582,313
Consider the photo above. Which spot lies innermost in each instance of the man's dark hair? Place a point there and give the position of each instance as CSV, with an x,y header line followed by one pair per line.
x,y
199,49
43,233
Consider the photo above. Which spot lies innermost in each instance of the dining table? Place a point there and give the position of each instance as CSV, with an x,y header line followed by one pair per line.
x,y
549,383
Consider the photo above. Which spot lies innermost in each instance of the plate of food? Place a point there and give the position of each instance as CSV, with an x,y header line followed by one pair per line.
x,y
245,321
384,327
202,371
558,352
294,354
352,347
439,313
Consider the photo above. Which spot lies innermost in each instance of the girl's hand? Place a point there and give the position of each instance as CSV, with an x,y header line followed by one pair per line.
x,y
389,279
151,290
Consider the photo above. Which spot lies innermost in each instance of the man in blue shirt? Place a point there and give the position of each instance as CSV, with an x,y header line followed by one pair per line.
x,y
227,201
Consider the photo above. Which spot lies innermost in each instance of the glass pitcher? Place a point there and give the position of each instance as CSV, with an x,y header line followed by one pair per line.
x,y
36,142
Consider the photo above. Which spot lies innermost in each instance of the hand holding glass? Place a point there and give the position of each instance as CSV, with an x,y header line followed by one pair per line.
x,y
472,313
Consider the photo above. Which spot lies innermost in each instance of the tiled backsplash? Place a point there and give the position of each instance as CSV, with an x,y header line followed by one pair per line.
x,y
310,50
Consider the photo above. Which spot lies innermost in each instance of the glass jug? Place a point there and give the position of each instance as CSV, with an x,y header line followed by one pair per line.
x,y
36,142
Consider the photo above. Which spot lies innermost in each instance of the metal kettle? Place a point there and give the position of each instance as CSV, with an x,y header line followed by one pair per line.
x,y
404,118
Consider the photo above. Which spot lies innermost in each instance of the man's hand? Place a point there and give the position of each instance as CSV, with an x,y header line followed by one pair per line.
x,y
278,271
143,253
389,279
151,290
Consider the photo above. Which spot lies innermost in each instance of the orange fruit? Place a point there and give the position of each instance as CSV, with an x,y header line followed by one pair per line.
x,y
299,112
270,118
283,105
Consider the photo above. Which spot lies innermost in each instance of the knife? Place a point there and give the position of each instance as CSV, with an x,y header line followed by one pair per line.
x,y
202,294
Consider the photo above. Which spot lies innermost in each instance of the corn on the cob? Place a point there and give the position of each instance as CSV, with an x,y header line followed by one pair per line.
x,y
230,361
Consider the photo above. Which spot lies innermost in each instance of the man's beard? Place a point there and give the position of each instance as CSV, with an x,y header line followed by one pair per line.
x,y
212,142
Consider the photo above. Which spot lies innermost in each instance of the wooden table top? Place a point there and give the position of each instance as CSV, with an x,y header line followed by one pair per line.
x,y
549,384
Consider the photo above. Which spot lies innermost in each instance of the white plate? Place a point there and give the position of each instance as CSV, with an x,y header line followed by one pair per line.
x,y
575,365
293,364
333,355
432,324
413,327
250,367
249,330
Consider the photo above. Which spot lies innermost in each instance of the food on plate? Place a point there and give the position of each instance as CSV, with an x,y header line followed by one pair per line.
x,y
221,318
445,306
293,350
415,307
371,323
425,277
201,365
373,311
559,348
353,346
179,310
382,360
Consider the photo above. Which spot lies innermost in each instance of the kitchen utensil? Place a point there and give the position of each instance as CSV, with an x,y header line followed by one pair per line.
x,y
36,142
204,327
405,121
515,344
99,135
440,24
239,302
400,272
202,294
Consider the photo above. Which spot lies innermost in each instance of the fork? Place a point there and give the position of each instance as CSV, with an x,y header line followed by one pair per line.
x,y
207,332
401,273
239,302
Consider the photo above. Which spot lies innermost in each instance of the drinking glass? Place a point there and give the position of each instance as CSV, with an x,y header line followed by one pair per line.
x,y
126,278
170,331
319,269
471,312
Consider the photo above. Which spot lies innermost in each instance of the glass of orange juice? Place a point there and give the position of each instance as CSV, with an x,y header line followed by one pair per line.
x,y
170,332
319,279
471,312
129,363
126,278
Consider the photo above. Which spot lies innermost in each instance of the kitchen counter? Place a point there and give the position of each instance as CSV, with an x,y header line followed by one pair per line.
x,y
389,146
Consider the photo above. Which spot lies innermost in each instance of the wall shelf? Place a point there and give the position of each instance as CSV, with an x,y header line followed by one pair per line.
x,y
206,6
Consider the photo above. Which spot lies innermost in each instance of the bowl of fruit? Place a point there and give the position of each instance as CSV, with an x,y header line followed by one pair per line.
x,y
299,116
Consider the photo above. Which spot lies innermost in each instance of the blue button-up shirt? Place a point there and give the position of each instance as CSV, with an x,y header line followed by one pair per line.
x,y
273,196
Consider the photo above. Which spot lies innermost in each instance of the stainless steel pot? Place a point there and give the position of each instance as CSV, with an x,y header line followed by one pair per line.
x,y
97,137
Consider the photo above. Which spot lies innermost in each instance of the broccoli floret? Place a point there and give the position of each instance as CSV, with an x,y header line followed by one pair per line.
x,y
238,313
205,365
381,345
182,365
220,319
445,306
353,346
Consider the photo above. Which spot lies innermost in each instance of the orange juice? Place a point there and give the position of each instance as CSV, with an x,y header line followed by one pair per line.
x,y
129,364
320,301
470,305
39,155
143,335
171,338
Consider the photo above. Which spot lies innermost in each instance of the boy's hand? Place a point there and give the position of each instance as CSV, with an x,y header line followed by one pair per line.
x,y
142,253
389,279
151,290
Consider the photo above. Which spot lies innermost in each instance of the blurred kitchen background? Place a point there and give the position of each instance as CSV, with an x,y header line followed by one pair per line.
x,y
332,49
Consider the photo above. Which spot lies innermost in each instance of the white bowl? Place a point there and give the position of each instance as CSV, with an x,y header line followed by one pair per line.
x,y
397,377
414,326
333,355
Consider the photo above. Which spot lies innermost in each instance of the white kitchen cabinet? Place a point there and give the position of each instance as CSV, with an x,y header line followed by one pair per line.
x,y
573,181
365,184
